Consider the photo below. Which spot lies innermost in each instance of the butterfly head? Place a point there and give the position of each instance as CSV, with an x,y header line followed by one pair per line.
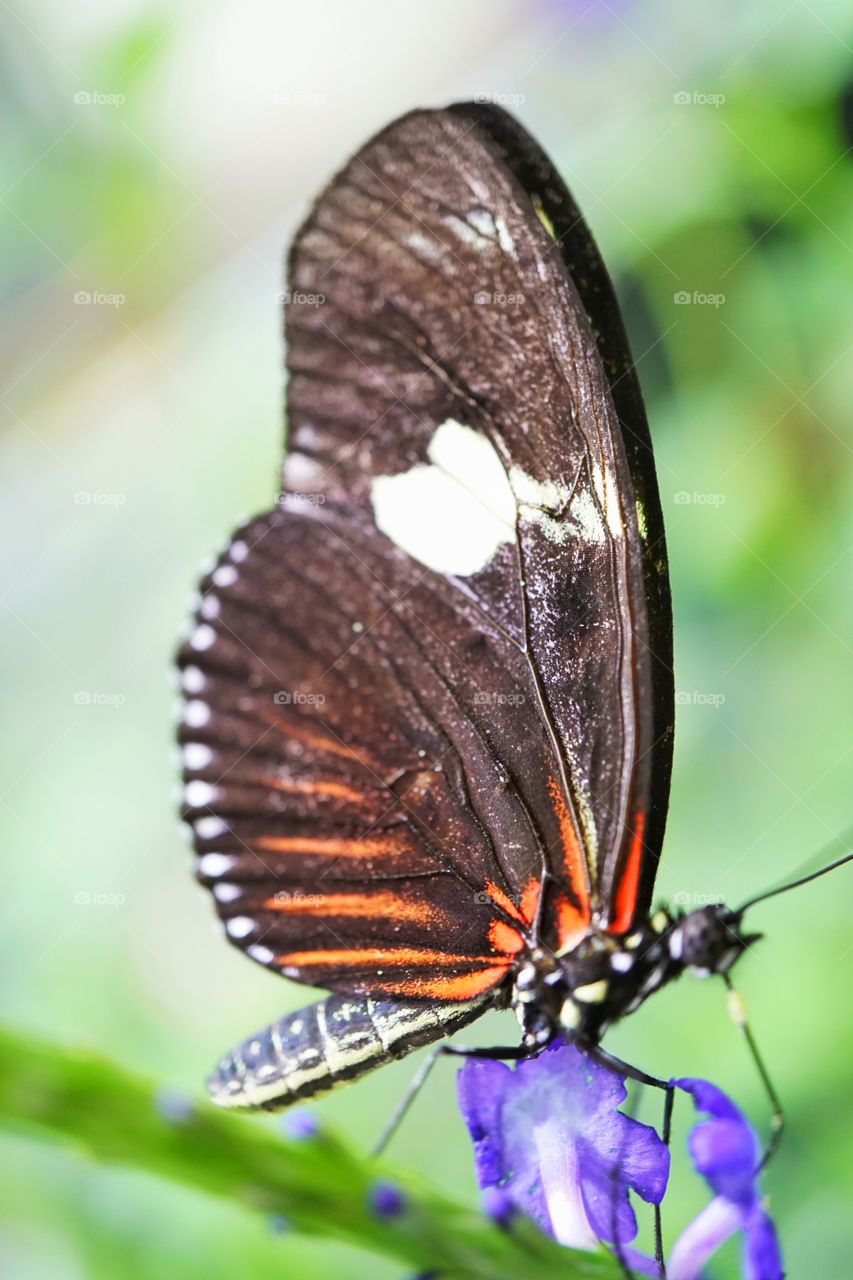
x,y
709,940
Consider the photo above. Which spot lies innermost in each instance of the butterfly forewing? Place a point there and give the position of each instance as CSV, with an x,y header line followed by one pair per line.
x,y
425,679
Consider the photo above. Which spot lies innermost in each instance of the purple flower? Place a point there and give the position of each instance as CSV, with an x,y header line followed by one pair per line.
x,y
550,1135
725,1150
550,1142
386,1200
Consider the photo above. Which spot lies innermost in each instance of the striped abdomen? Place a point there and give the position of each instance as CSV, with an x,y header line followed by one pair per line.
x,y
337,1039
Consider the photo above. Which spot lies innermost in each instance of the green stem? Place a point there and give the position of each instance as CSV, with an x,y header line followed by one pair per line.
x,y
320,1185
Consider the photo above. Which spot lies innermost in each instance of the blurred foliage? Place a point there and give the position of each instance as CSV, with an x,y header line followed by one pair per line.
x,y
136,434
314,1185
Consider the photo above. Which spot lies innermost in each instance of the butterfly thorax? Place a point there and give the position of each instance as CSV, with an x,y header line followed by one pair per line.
x,y
578,995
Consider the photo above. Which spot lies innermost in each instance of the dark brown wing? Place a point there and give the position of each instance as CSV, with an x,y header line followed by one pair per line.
x,y
427,677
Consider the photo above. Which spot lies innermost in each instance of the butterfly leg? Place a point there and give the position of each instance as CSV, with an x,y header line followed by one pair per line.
x,y
737,1011
507,1053
612,1063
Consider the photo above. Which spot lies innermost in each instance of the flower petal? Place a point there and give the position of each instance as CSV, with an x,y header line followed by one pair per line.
x,y
551,1134
762,1257
712,1227
480,1090
725,1148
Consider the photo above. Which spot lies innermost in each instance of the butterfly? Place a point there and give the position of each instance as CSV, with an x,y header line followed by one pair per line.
x,y
428,697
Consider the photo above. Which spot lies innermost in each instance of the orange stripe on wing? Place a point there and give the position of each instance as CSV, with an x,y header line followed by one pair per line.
x,y
321,741
357,905
504,901
572,924
463,986
574,862
312,787
504,937
333,846
628,884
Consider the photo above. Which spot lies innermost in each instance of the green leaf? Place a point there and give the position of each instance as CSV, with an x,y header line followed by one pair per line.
x,y
319,1185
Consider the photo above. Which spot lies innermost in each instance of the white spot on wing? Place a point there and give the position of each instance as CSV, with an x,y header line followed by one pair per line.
x,y
262,954
451,515
224,892
192,680
203,637
199,793
239,926
209,828
215,864
196,755
196,713
225,575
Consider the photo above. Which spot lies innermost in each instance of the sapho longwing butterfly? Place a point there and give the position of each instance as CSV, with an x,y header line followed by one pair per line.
x,y
429,697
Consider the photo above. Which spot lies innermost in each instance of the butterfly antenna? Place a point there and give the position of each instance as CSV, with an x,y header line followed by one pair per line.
x,y
795,884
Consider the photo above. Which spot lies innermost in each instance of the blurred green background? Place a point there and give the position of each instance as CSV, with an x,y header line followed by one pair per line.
x,y
156,160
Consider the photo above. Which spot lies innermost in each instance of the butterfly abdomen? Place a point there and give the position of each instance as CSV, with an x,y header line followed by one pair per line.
x,y
327,1043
